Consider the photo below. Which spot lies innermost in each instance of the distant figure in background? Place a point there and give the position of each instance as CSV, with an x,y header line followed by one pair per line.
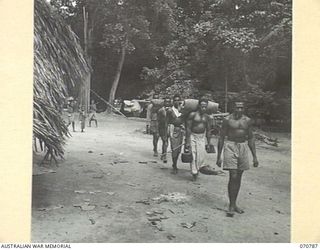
x,y
236,137
198,127
163,127
152,125
82,118
92,113
71,113
175,123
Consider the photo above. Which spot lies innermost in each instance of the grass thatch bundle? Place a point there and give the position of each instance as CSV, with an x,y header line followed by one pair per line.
x,y
59,67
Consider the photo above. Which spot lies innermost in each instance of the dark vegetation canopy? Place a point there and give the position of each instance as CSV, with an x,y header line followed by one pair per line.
x,y
190,47
136,47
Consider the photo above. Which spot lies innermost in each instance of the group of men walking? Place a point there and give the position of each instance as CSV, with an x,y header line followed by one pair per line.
x,y
193,130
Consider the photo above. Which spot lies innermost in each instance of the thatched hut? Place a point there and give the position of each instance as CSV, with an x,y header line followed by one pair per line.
x,y
60,69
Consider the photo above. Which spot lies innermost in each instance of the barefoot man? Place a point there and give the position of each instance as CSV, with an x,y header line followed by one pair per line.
x,y
152,124
175,123
235,137
198,126
163,127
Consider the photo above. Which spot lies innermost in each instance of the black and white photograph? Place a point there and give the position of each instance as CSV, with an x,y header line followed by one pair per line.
x,y
162,121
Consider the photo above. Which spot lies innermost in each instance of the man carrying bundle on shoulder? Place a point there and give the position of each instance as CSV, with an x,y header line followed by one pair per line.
x,y
198,126
175,123
163,126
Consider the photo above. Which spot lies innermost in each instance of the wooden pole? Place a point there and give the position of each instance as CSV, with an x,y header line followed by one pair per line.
x,y
86,92
108,104
226,95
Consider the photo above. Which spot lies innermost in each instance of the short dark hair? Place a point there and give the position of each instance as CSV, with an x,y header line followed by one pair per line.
x,y
167,98
176,96
156,94
238,103
203,99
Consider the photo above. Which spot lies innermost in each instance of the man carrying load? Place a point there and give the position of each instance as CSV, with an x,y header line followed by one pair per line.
x,y
152,124
175,123
198,126
163,126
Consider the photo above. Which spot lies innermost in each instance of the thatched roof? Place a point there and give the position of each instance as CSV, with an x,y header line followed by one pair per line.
x,y
59,67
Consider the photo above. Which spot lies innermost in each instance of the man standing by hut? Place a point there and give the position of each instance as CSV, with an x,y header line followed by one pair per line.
x,y
198,126
71,113
93,111
236,137
176,130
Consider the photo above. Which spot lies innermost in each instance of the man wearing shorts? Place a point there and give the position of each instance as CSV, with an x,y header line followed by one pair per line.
x,y
236,138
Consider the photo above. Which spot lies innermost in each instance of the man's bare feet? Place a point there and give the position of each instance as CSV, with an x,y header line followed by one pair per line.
x,y
194,177
238,210
233,210
155,154
230,212
175,170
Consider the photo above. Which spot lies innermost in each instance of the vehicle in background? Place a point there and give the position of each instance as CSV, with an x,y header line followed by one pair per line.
x,y
134,108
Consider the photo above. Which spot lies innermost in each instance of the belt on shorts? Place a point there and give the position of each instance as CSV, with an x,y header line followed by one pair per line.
x,y
235,141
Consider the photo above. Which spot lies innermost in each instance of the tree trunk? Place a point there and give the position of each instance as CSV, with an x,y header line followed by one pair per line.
x,y
226,94
115,82
87,37
244,70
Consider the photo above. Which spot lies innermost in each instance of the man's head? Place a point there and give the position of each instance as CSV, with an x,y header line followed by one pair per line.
x,y
155,96
92,101
167,102
176,100
203,104
239,108
83,108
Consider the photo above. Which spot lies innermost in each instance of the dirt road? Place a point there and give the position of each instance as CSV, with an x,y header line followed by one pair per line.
x,y
111,173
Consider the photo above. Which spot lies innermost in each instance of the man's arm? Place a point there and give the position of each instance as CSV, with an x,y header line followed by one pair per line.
x,y
208,129
188,129
223,133
149,108
169,122
251,144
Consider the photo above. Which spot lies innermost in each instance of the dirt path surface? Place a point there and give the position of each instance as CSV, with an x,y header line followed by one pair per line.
x,y
109,190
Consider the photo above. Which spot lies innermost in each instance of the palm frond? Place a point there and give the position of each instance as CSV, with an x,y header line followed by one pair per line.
x,y
59,68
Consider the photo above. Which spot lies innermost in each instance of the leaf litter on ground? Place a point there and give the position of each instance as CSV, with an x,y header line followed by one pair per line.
x,y
50,208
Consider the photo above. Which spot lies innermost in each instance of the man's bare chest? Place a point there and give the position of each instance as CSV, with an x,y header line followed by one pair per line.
x,y
238,124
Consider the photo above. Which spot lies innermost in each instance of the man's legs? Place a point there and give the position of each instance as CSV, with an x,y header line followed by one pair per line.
x,y
155,144
176,145
233,190
82,125
164,148
194,164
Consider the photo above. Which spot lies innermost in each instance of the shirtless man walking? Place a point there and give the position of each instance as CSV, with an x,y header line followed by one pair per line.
x,y
152,118
176,130
163,127
198,136
236,137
